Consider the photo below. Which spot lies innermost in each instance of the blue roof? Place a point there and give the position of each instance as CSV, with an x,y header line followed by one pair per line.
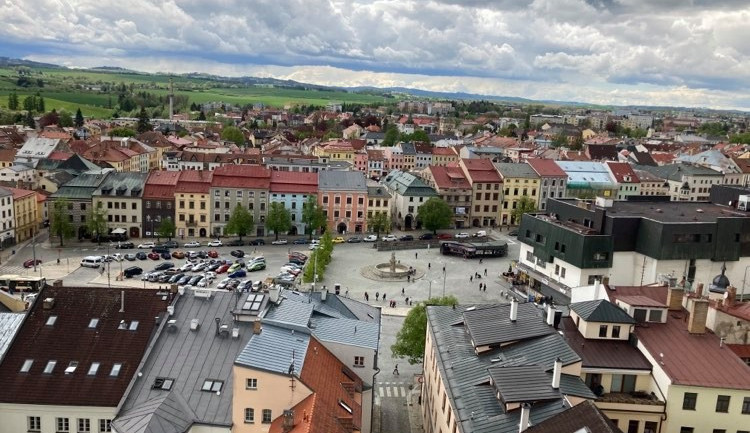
x,y
293,313
274,348
347,331
585,172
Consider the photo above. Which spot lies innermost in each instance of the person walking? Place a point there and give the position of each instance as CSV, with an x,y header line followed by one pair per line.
x,y
377,296
480,287
367,297
485,272
416,256
485,287
471,278
402,291
383,296
443,268
428,266
408,278
395,370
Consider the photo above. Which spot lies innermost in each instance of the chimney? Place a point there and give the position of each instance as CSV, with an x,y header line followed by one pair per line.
x,y
288,421
513,310
597,286
698,315
730,296
699,290
122,301
257,327
674,298
550,315
525,411
323,295
556,374
57,283
48,303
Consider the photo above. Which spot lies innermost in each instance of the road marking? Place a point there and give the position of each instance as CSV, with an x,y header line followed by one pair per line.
x,y
381,392
388,391
403,391
510,242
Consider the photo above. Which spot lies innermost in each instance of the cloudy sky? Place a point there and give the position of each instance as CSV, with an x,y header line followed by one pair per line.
x,y
654,52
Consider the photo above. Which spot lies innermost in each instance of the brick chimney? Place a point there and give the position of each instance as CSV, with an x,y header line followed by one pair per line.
x,y
257,326
730,296
674,298
699,290
698,315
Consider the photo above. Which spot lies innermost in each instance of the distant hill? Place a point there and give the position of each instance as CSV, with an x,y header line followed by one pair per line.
x,y
7,61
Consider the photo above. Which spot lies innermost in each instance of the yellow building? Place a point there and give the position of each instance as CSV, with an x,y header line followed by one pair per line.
x,y
192,204
26,213
336,150
378,201
519,180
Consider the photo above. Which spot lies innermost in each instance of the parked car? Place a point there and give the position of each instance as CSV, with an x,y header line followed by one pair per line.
x,y
214,243
184,280
195,280
199,267
165,255
258,285
163,266
245,285
140,255
480,233
406,238
300,241
237,253
178,254
354,240
132,271
31,262
389,238
239,273
186,267
280,242
146,245
291,270
426,236
224,283
175,278
203,254
213,254
338,240
315,241
210,275
313,247
192,244
221,269
258,241
213,266
130,257
370,238
513,233
462,235
171,244
154,256
236,243
123,245
256,266
234,267
298,255
444,236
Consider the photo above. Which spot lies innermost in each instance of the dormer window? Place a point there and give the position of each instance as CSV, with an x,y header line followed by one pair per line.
x,y
133,325
93,369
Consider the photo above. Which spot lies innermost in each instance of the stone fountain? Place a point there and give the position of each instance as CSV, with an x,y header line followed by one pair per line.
x,y
392,269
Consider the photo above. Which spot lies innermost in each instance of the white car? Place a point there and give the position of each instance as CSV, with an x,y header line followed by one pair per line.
x,y
186,267
389,238
480,233
313,247
118,257
192,244
216,243
461,235
146,245
370,238
280,242
315,242
210,275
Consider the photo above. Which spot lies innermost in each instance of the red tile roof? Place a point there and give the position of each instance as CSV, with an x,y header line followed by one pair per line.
x,y
8,154
546,167
689,359
241,176
449,177
662,157
70,339
445,151
161,184
481,170
19,193
294,182
195,181
620,170
60,156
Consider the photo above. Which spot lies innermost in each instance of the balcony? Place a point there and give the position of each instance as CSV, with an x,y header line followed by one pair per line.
x,y
191,223
637,400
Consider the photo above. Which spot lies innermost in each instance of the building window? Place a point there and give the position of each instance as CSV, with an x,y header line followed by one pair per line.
x,y
623,383
163,383
686,430
633,426
84,425
105,425
689,400
266,416
251,383
720,430
35,423
211,385
746,405
49,367
722,404
359,361
603,331
93,369
616,331
63,425
654,315
249,415
650,427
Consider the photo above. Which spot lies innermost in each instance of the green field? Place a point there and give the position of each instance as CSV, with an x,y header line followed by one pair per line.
x,y
67,89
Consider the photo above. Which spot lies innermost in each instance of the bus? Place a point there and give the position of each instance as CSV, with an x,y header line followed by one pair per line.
x,y
474,249
21,283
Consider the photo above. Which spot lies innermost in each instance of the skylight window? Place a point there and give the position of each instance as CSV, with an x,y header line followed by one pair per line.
x,y
51,320
27,365
116,370
211,385
71,367
164,383
49,367
93,369
93,323
133,325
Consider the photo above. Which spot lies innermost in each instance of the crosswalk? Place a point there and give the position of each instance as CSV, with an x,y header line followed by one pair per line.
x,y
392,390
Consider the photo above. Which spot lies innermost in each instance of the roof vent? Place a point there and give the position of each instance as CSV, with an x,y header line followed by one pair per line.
x,y
195,324
48,303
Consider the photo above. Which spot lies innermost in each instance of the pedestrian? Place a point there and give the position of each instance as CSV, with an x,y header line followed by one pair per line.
x,y
485,287
367,297
406,301
471,279
395,370
416,256
377,296
485,272
428,266
443,268
402,291
383,296
480,287
346,294
480,261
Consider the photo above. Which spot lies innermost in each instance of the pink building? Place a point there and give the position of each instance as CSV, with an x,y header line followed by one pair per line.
x,y
343,196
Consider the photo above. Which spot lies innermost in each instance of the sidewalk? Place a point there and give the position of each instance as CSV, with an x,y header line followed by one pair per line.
x,y
415,409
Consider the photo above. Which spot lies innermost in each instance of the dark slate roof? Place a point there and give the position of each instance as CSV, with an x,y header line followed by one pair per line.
x,y
598,353
601,310
330,180
70,339
541,351
582,416
123,184
191,357
524,383
407,184
492,325
674,172
81,187
516,170
167,413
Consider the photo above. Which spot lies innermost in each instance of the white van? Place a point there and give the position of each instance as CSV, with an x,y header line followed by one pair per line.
x,y
92,261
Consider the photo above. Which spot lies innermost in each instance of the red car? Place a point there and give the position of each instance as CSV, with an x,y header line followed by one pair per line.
x,y
444,236
30,263
213,254
154,256
221,269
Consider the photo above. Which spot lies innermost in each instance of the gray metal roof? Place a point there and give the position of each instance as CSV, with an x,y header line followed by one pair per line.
x,y
407,184
334,306
81,187
347,331
516,170
292,313
675,172
541,351
330,180
9,324
601,310
5,192
191,357
492,325
523,383
127,182
274,349
167,413
377,191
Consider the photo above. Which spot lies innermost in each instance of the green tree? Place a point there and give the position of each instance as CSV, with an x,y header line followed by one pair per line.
x,y
202,115
65,120
96,222
29,120
143,122
379,222
240,222
79,119
29,103
524,205
417,136
122,132
435,214
743,138
278,219
40,105
59,221
391,136
312,215
13,101
410,340
166,229
233,134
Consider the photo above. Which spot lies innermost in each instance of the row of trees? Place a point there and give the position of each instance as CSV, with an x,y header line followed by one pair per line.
x,y
30,103
319,260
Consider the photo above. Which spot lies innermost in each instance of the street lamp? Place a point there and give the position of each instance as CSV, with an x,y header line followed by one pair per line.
x,y
744,280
